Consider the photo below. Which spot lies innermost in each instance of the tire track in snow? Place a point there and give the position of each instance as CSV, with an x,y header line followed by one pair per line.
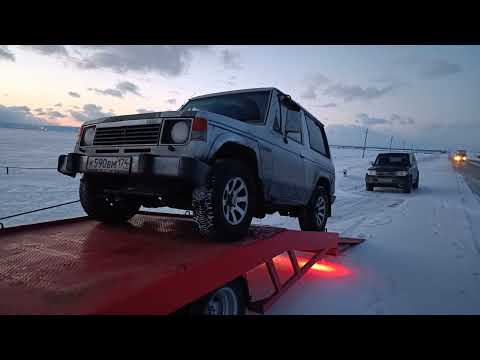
x,y
461,185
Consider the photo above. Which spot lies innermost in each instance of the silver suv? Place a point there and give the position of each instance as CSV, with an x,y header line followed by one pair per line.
x,y
227,156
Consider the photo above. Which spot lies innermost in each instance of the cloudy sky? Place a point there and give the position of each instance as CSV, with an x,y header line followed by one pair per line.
x,y
422,95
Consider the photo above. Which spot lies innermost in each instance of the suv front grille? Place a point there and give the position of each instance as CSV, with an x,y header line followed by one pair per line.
x,y
128,135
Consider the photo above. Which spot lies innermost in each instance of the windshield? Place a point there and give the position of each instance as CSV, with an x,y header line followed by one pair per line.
x,y
248,106
392,160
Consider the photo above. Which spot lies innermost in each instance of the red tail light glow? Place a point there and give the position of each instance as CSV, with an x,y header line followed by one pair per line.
x,y
329,269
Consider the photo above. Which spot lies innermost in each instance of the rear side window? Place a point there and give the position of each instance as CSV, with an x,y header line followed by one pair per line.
x,y
316,136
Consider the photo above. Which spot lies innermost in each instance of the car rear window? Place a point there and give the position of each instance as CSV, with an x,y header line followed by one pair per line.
x,y
248,106
392,160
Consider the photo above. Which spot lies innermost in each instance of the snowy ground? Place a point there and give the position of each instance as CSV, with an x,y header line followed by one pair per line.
x,y
422,254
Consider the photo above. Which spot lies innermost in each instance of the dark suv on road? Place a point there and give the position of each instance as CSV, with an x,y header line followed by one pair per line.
x,y
228,157
393,170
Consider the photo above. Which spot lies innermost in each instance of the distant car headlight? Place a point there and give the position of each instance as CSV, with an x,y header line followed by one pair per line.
x,y
180,132
88,136
401,173
372,172
464,158
457,158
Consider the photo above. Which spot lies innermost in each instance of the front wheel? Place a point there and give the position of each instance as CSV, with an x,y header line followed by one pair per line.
x,y
104,207
223,208
313,217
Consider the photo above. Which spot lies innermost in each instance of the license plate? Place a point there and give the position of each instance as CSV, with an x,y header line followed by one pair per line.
x,y
109,164
383,180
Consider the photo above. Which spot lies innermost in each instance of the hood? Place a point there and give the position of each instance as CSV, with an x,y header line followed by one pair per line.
x,y
155,115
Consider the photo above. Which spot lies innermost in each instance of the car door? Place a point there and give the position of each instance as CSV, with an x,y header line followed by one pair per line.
x,y
288,183
317,160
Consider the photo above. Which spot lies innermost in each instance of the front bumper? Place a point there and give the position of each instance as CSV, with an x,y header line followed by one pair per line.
x,y
387,181
146,165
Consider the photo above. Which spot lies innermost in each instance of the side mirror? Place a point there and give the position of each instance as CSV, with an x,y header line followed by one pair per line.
x,y
289,103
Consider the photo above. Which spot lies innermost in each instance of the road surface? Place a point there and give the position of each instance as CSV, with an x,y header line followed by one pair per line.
x,y
471,172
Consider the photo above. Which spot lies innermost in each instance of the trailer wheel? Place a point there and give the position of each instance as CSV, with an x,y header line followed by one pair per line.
x,y
230,299
104,208
313,217
223,208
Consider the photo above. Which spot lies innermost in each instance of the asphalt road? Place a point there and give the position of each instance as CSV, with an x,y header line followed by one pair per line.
x,y
471,172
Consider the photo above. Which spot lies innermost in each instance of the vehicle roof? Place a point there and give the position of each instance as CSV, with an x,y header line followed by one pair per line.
x,y
239,91
395,153
233,92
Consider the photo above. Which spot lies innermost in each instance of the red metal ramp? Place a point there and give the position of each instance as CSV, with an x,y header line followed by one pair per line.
x,y
155,264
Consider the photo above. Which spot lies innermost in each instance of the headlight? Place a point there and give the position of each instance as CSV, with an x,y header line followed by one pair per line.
x,y
88,136
372,172
464,158
457,158
401,173
180,132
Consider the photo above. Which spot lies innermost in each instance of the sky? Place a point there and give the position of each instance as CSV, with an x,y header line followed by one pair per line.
x,y
422,96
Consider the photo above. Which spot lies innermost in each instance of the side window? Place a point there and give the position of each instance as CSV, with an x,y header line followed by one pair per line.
x,y
294,125
316,136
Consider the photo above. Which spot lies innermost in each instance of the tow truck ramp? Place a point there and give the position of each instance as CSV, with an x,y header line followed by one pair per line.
x,y
154,264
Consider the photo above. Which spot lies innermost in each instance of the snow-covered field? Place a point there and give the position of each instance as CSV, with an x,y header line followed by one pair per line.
x,y
422,254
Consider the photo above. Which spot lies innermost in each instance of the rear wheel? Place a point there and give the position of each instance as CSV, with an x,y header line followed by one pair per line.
x,y
105,207
313,217
369,187
223,208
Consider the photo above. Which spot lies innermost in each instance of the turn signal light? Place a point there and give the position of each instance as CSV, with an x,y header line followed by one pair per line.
x,y
199,129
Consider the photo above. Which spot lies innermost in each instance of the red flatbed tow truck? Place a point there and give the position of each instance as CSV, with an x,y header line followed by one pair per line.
x,y
154,264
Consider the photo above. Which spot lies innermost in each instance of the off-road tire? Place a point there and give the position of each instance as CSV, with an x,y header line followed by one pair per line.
x,y
207,202
307,217
100,207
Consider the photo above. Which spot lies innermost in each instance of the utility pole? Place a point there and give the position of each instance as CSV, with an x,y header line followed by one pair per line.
x,y
391,140
365,144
